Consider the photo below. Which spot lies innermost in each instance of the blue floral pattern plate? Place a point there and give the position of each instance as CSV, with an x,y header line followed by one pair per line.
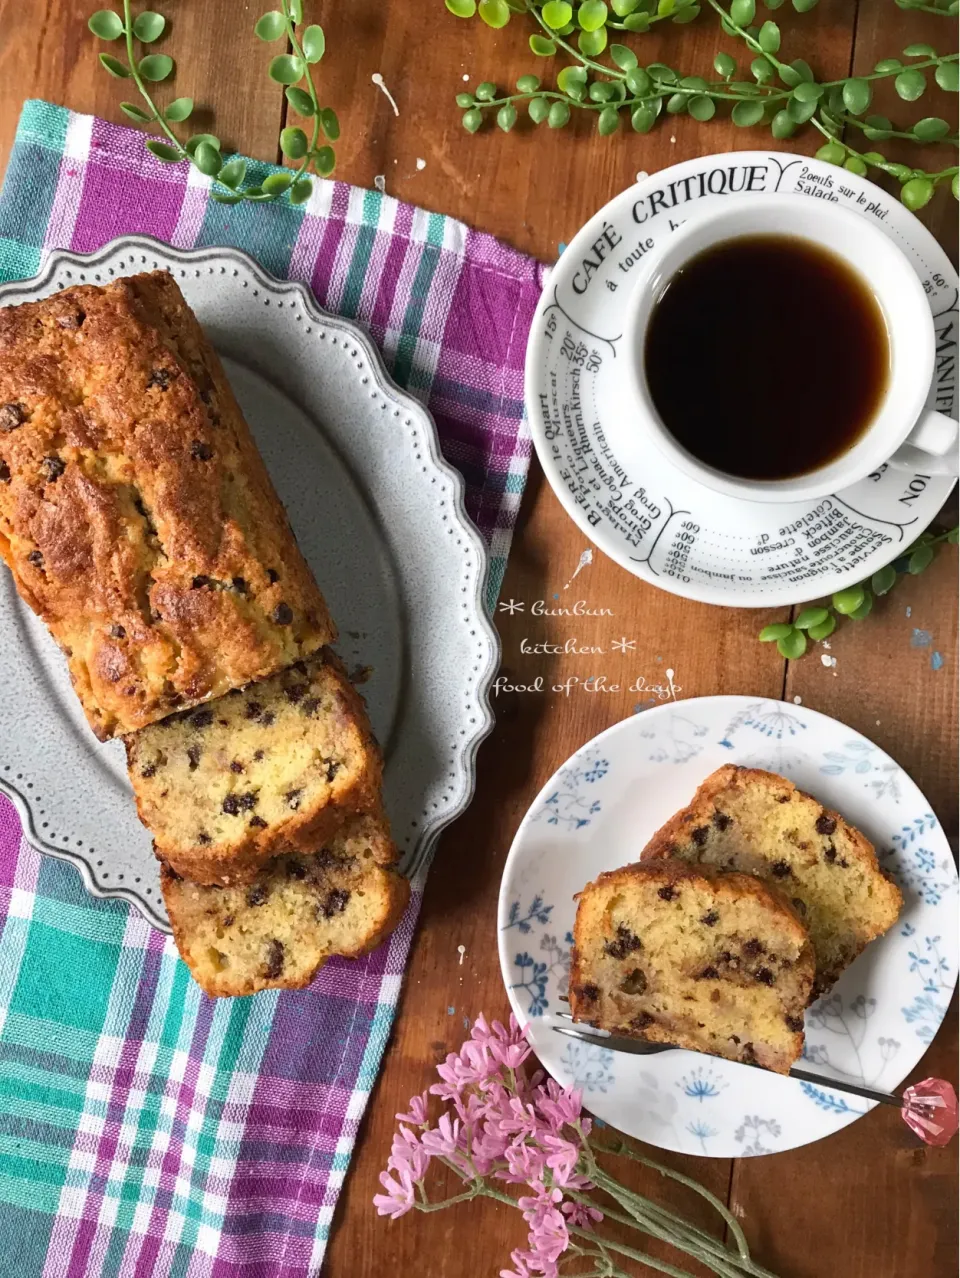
x,y
598,811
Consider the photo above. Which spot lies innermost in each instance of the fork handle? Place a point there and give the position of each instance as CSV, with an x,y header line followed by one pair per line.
x,y
843,1085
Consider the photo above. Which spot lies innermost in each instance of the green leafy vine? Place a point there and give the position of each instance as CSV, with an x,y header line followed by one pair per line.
x,y
203,150
782,95
818,621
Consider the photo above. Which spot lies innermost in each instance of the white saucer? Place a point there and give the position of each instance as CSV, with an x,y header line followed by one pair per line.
x,y
598,811
624,494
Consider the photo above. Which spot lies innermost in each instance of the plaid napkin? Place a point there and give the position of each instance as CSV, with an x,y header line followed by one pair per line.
x,y
146,1130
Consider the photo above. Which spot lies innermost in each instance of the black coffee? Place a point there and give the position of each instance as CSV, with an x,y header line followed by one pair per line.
x,y
766,357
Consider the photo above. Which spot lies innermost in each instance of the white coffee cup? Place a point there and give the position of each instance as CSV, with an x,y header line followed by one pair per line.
x,y
903,432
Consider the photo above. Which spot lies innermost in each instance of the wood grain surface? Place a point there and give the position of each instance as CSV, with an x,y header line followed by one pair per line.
x,y
871,1202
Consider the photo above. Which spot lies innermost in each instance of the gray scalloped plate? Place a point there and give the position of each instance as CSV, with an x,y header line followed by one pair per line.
x,y
380,517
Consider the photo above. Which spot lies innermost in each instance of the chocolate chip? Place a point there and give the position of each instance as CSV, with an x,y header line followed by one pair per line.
x,y
310,706
825,824
253,710
710,919
699,835
248,801
708,974
734,1039
202,718
296,692
783,798
764,976
753,947
296,870
117,632
780,869
272,576
159,377
200,582
283,614
335,902
626,943
333,767
228,921
721,820
830,852
257,823
293,798
149,771
35,558
635,983
300,667
725,957
667,893
257,894
239,584
257,756
236,766
177,878
794,1023
798,905
748,1055
4,473
204,839
53,468
12,416
274,963
200,451
267,718
642,1020
231,805
193,754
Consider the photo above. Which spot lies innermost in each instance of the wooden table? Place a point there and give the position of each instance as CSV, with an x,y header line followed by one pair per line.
x,y
871,1202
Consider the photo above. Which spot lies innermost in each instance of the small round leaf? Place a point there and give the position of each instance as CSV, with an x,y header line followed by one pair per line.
x,y
799,111
300,191
208,159
486,91
761,70
572,81
793,645
179,109
168,154
807,92
811,617
643,119
225,197
637,22
947,75
538,110
931,129
915,194
592,15
149,26
910,84
472,119
804,6
883,580
724,65
156,66
849,600
324,160
625,58
461,8
296,11
271,26
530,83
608,121
330,123
507,117
779,630
769,37
556,13
877,128
824,629
857,95
677,103
106,24
300,100
745,114
286,68
886,65
277,183
115,66
865,608
803,70
233,172
781,126
622,8
919,51
855,164
495,13
558,115
686,14
190,146
702,108
465,100
314,43
638,82
743,12
921,558
592,43
832,153
542,47
293,143
790,77
135,112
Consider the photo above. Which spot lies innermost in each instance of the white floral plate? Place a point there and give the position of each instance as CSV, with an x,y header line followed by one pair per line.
x,y
597,812
624,493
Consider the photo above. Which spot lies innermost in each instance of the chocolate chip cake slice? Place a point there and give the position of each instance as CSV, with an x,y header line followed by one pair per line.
x,y
275,766
299,911
713,962
760,823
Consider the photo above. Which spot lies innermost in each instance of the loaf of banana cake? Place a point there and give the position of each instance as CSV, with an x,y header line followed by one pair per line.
x,y
275,766
136,514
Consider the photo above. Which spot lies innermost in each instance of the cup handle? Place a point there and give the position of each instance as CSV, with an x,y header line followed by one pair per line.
x,y
931,445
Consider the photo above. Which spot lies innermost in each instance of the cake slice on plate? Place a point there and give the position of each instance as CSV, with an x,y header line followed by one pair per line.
x,y
713,962
759,823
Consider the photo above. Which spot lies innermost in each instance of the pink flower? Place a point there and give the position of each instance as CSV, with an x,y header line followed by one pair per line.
x,y
508,1047
444,1139
517,1118
536,1205
417,1113
559,1105
521,1270
525,1163
549,1238
581,1215
456,1075
408,1155
399,1196
562,1157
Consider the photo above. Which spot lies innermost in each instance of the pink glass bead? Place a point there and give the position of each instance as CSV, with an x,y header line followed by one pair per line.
x,y
930,1110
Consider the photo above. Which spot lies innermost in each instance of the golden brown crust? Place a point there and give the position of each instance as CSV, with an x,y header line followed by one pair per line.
x,y
223,935
136,514
869,903
309,713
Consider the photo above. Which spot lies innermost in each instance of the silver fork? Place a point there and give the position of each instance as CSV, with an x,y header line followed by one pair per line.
x,y
638,1047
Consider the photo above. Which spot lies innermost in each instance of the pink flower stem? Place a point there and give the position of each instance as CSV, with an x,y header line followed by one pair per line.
x,y
661,1266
